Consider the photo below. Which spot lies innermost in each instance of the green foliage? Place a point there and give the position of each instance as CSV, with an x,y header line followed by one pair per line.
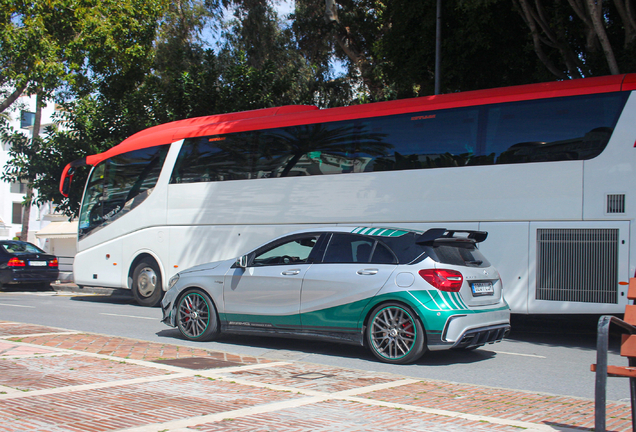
x,y
484,45
46,45
119,67
67,47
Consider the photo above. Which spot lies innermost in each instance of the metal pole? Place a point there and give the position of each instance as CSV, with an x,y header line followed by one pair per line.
x,y
438,47
601,373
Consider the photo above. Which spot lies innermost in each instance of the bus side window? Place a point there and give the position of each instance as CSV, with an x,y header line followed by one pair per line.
x,y
574,128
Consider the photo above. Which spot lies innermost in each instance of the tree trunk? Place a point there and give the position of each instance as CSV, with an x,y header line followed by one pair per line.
x,y
24,235
596,13
531,19
629,20
11,98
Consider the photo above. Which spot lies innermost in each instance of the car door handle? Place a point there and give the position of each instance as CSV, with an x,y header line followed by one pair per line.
x,y
368,272
291,272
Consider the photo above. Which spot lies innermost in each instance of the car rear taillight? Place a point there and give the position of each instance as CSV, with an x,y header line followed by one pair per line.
x,y
53,263
16,262
443,280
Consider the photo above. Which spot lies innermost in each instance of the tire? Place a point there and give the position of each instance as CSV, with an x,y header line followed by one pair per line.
x,y
147,288
197,319
394,334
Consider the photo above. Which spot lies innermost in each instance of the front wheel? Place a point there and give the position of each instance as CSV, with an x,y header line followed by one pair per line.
x,y
395,335
146,284
196,316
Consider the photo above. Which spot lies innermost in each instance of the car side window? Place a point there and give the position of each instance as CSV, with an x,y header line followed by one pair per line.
x,y
351,248
295,251
383,255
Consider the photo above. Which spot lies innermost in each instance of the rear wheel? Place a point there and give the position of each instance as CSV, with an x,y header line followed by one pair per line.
x,y
395,335
196,316
146,283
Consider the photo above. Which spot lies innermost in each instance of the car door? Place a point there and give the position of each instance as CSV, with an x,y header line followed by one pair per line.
x,y
266,293
338,287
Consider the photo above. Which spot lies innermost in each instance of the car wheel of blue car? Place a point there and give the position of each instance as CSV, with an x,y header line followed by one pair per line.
x,y
394,334
196,316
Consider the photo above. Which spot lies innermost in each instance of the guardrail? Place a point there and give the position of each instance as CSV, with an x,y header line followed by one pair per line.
x,y
65,264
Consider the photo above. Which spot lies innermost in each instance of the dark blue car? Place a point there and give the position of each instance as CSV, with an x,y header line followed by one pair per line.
x,y
22,263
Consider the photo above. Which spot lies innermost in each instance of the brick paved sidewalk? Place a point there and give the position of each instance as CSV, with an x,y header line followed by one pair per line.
x,y
57,380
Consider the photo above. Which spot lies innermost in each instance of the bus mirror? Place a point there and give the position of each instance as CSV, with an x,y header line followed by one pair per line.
x,y
66,186
242,262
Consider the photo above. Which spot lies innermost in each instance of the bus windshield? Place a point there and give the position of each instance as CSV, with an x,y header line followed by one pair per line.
x,y
119,184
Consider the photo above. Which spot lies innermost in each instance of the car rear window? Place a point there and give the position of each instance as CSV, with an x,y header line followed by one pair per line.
x,y
456,253
20,248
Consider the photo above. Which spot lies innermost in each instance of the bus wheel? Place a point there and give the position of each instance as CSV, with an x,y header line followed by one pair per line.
x,y
395,335
146,284
196,316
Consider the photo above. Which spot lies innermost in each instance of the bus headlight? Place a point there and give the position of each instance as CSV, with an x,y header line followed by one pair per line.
x,y
173,280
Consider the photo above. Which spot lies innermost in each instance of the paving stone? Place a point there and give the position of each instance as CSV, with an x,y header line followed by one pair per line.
x,y
24,329
314,377
344,416
115,406
132,349
506,404
39,373
132,405
12,349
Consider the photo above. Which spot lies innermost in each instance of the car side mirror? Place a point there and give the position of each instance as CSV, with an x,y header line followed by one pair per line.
x,y
242,262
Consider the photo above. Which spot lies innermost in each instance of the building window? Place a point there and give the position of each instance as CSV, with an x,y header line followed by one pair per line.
x,y
17,213
27,119
19,188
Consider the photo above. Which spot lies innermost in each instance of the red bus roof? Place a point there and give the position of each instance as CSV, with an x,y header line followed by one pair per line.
x,y
294,115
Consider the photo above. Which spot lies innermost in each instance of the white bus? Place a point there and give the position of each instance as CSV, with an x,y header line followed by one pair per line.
x,y
545,169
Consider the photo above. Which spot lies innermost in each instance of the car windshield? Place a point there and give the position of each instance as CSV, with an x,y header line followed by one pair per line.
x,y
21,248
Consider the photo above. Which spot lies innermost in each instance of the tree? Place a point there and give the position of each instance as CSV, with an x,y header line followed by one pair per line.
x,y
581,38
484,45
261,64
65,45
349,31
390,46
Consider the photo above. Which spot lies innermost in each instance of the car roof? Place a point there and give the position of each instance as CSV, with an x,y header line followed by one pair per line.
x,y
357,229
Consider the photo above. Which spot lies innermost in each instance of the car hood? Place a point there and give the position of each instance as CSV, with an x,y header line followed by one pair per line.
x,y
209,266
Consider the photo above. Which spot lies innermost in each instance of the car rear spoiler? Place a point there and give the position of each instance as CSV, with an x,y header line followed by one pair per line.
x,y
442,233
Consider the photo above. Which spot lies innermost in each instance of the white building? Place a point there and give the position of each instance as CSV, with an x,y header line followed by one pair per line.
x,y
49,231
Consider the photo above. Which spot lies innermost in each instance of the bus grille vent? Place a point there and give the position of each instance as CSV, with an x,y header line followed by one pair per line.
x,y
615,203
577,265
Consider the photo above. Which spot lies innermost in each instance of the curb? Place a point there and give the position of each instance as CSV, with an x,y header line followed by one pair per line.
x,y
66,287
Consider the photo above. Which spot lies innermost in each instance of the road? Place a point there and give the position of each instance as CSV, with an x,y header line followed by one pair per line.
x,y
542,354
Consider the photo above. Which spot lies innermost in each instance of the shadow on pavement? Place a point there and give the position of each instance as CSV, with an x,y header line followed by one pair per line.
x,y
116,297
298,348
576,331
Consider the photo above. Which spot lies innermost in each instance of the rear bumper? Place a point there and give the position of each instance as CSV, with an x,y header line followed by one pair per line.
x,y
482,336
472,330
16,277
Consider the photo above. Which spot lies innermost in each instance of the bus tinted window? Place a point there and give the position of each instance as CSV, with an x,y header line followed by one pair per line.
x,y
119,184
427,140
572,128
575,128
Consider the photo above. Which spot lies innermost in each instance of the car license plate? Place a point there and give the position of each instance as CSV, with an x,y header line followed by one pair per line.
x,y
37,263
483,288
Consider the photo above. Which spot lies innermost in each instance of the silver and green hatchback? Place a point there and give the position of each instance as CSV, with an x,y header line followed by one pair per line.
x,y
398,291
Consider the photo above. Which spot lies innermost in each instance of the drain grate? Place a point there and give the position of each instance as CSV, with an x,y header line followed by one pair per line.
x,y
312,376
198,363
